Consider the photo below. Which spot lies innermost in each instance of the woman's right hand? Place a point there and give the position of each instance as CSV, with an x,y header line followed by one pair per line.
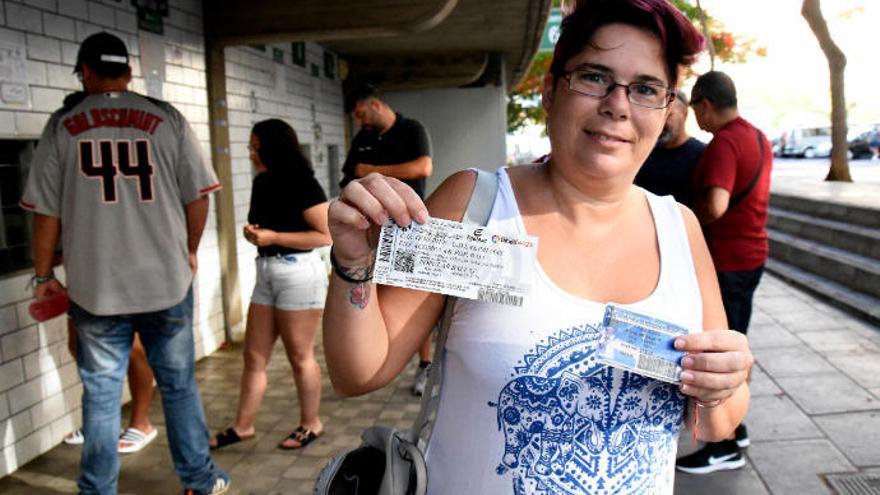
x,y
364,205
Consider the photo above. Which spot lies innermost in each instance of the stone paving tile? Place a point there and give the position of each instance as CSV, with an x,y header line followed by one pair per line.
x,y
761,383
770,335
857,435
777,306
291,487
807,321
864,328
760,317
778,418
842,341
863,368
799,360
830,393
795,466
740,482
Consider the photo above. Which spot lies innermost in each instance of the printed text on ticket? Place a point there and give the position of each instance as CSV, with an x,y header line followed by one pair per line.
x,y
456,259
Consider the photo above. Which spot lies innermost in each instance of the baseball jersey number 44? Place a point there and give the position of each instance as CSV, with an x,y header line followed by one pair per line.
x,y
112,160
456,259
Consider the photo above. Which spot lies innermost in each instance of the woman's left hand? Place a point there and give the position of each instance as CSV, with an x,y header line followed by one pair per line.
x,y
716,365
259,237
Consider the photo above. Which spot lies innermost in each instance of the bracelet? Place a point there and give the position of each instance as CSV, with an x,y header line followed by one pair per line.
x,y
337,269
708,405
42,279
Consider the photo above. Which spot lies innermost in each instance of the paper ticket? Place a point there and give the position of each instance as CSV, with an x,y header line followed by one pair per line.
x,y
641,344
456,259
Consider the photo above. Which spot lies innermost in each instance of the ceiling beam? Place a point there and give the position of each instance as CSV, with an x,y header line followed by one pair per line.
x,y
411,72
233,22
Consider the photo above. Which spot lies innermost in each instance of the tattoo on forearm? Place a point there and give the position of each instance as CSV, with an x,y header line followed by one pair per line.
x,y
359,296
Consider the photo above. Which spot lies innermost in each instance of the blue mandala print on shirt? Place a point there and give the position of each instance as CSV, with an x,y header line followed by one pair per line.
x,y
574,426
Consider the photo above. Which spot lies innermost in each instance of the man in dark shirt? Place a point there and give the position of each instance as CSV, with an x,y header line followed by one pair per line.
x,y
393,145
387,143
731,200
669,168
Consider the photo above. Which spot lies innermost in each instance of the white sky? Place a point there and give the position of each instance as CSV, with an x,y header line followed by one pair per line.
x,y
791,85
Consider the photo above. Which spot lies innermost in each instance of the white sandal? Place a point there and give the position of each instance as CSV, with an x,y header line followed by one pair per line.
x,y
135,440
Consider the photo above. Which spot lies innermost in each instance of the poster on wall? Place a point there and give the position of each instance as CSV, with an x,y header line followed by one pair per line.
x,y
152,49
14,92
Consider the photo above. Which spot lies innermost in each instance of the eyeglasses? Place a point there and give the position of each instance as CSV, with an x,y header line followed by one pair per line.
x,y
599,85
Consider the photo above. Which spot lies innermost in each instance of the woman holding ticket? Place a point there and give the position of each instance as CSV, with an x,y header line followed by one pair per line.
x,y
527,405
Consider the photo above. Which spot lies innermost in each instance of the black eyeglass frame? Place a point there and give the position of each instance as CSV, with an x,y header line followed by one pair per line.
x,y
627,88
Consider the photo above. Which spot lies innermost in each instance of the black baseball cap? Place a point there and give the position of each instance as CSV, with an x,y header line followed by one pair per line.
x,y
103,53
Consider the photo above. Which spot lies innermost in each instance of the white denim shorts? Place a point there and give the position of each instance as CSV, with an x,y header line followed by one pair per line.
x,y
291,282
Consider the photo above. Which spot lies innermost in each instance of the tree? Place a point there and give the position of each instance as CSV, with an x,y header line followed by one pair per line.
x,y
811,10
524,104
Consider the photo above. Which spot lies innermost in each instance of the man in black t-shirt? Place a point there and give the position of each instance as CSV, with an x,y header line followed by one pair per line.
x,y
387,143
392,145
670,166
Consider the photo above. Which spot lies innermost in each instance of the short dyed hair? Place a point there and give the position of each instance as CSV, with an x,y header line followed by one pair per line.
x,y
279,149
716,87
360,93
680,40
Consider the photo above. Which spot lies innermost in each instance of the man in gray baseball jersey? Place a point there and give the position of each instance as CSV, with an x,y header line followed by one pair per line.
x,y
121,179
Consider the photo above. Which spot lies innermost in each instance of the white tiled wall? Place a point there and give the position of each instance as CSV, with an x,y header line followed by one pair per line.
x,y
39,386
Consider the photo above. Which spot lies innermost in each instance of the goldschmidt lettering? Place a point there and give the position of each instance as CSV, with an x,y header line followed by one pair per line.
x,y
112,117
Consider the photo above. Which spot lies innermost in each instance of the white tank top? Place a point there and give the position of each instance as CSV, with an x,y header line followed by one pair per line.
x,y
526,409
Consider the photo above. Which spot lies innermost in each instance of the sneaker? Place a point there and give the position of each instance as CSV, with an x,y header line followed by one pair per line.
x,y
713,457
418,387
742,436
75,437
221,484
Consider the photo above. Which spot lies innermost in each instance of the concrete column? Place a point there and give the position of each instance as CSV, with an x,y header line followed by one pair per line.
x,y
468,126
218,116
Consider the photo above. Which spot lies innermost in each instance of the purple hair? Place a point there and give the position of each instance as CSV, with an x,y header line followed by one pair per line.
x,y
679,38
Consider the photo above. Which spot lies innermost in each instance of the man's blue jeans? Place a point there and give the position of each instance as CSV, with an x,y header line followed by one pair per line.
x,y
103,344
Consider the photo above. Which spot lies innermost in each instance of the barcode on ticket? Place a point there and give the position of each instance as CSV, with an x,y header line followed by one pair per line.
x,y
499,297
405,262
661,368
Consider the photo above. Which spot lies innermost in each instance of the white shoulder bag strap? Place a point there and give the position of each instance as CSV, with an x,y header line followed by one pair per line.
x,y
477,213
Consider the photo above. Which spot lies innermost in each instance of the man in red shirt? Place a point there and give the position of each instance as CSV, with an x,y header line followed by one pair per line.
x,y
731,199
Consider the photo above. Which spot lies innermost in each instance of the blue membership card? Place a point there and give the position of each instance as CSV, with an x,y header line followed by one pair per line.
x,y
641,344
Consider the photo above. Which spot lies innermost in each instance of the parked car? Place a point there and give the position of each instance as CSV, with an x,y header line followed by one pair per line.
x,y
859,145
807,142
776,144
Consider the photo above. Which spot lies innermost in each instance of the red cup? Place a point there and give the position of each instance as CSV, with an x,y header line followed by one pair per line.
x,y
50,307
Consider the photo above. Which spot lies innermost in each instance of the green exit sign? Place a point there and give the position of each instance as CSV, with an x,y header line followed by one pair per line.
x,y
551,32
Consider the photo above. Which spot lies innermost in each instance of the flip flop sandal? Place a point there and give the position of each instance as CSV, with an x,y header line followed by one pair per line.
x,y
75,437
229,437
302,435
133,440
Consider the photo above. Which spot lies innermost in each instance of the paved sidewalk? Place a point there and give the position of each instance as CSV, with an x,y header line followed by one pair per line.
x,y
815,410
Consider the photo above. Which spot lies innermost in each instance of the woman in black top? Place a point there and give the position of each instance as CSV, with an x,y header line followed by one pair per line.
x,y
286,221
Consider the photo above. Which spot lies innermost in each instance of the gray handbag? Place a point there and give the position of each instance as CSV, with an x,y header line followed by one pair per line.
x,y
390,461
